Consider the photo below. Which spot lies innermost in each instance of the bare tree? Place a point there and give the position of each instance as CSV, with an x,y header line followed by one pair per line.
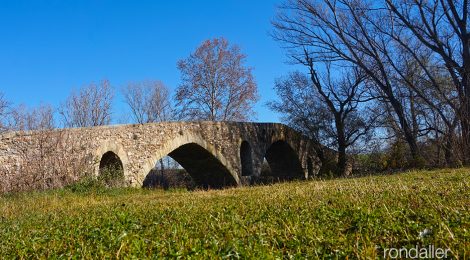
x,y
300,108
22,118
53,157
149,101
91,106
346,31
57,159
4,105
216,85
441,28
433,103
337,120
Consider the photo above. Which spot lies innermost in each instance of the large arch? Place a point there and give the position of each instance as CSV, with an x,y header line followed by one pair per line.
x,y
283,161
207,167
206,170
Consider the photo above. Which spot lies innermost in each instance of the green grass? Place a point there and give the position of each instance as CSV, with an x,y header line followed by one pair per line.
x,y
319,219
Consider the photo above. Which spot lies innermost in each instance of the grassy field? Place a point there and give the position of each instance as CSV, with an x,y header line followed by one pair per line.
x,y
357,217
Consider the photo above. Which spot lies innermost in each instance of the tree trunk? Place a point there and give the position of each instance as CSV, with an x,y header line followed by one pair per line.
x,y
162,170
449,151
342,161
342,145
465,125
410,137
465,114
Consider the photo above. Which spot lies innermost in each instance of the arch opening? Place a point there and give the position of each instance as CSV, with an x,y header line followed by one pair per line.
x,y
111,169
281,163
206,171
246,158
168,173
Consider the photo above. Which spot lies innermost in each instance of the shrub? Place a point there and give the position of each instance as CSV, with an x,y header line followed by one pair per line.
x,y
111,176
86,184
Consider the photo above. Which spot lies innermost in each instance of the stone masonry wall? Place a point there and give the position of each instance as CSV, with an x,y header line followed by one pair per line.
x,y
64,156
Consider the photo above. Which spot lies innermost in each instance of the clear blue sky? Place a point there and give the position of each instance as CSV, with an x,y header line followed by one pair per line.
x,y
48,48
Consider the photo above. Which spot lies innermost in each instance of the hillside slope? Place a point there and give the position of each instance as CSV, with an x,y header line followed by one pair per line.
x,y
346,217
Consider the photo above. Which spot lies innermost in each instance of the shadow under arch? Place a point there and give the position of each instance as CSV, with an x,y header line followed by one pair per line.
x,y
283,161
208,169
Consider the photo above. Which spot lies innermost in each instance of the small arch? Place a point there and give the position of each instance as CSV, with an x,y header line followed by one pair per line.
x,y
111,169
283,161
246,159
116,148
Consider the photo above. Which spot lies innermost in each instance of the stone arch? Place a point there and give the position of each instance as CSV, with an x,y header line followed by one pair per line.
x,y
111,166
118,150
284,162
246,159
202,161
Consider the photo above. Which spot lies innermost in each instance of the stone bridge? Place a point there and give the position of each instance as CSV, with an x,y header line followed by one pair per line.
x,y
215,154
